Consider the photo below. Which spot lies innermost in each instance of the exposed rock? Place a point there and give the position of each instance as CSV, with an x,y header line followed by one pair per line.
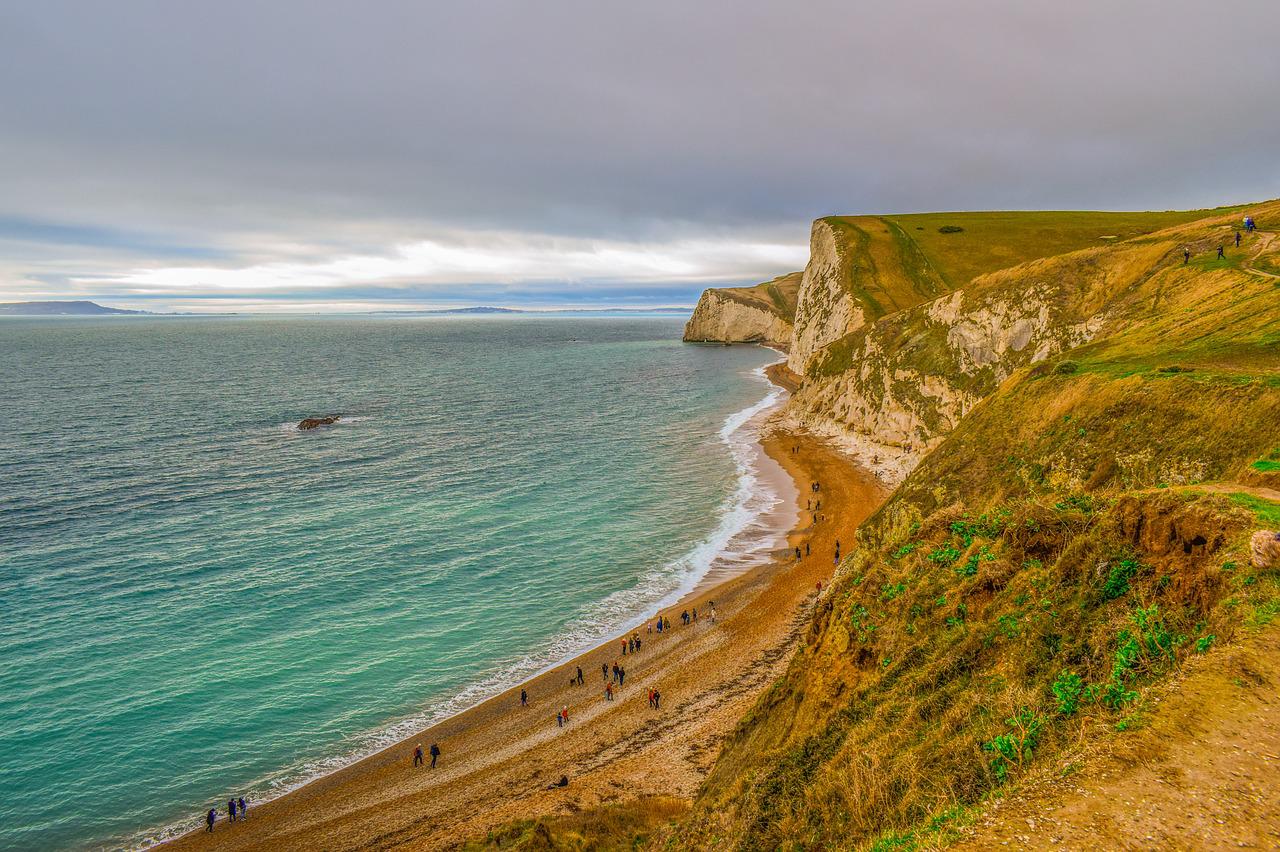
x,y
315,422
760,314
1265,547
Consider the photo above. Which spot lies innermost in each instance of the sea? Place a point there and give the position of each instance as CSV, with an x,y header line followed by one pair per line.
x,y
198,600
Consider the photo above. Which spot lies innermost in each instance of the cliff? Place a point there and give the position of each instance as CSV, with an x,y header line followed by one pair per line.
x,y
1073,436
760,314
1077,565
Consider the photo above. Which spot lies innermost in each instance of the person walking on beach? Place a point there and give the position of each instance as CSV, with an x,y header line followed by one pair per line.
x,y
579,675
435,754
657,700
524,698
695,615
565,714
713,613
622,675
615,670
417,755
624,647
559,720
231,809
604,670
209,819
608,692
244,813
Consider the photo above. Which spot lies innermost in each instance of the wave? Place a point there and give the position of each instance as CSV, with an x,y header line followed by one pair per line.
x,y
742,532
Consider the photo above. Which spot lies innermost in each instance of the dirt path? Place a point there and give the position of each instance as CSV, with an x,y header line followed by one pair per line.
x,y
1203,774
1264,243
500,758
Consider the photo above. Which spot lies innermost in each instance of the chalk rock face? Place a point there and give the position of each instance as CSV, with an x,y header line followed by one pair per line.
x,y
826,309
316,422
721,319
760,314
892,388
1265,547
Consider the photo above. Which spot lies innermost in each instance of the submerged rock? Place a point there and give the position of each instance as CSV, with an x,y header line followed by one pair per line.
x,y
313,422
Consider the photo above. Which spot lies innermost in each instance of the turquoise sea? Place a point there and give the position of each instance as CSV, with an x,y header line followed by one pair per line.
x,y
199,601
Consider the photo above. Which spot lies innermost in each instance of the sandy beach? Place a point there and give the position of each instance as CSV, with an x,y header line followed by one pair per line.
x,y
498,758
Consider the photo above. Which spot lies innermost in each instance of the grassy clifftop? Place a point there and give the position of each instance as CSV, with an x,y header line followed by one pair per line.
x,y
777,296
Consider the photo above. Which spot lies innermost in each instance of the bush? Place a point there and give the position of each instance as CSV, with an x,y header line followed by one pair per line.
x,y
1014,748
1118,579
1066,368
1067,689
950,229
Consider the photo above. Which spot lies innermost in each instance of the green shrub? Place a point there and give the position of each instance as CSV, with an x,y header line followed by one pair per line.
x,y
1117,582
1204,643
1066,367
1015,747
1067,689
950,229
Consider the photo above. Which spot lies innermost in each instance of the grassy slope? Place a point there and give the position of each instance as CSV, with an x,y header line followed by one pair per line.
x,y
997,240
1042,569
1040,543
777,296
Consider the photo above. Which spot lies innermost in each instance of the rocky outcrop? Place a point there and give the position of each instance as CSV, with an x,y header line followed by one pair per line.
x,y
891,390
1265,549
316,422
826,309
760,314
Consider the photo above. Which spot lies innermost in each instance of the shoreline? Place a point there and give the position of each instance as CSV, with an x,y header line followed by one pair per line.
x,y
378,794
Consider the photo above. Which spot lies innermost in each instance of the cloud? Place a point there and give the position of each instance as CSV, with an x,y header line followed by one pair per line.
x,y
317,143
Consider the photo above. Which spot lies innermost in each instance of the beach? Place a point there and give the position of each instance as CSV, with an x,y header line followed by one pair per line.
x,y
498,759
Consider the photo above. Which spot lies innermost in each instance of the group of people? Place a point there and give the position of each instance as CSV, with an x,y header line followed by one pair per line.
x,y
1249,226
236,809
435,749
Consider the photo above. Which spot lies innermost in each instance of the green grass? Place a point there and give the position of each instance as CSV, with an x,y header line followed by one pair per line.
x,y
998,240
1270,464
1266,511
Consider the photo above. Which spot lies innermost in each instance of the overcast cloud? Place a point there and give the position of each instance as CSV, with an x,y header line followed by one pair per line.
x,y
266,154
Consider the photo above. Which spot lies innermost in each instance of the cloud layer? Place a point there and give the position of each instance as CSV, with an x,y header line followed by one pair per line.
x,y
428,152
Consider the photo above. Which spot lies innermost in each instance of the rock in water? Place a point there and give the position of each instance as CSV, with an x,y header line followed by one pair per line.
x,y
1265,545
313,422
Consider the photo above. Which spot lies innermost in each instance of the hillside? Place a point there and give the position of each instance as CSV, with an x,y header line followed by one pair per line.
x,y
72,308
1084,443
764,313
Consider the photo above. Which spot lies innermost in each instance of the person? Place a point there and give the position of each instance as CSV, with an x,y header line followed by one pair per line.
x,y
667,623
624,647
695,615
797,553
1237,239
1186,255
713,613
244,814
417,755
604,670
565,714
648,627
1221,254
524,700
231,809
608,692
622,675
209,819
657,700
651,699
435,754
806,548
559,719
579,675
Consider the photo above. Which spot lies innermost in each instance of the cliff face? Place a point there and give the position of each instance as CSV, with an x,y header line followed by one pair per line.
x,y
760,314
1079,528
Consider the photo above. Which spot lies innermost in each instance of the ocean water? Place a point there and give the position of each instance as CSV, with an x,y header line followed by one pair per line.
x,y
199,601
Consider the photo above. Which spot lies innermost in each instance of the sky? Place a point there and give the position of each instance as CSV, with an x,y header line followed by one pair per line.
x,y
308,156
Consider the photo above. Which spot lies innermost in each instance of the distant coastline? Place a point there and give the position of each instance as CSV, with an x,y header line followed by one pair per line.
x,y
85,308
